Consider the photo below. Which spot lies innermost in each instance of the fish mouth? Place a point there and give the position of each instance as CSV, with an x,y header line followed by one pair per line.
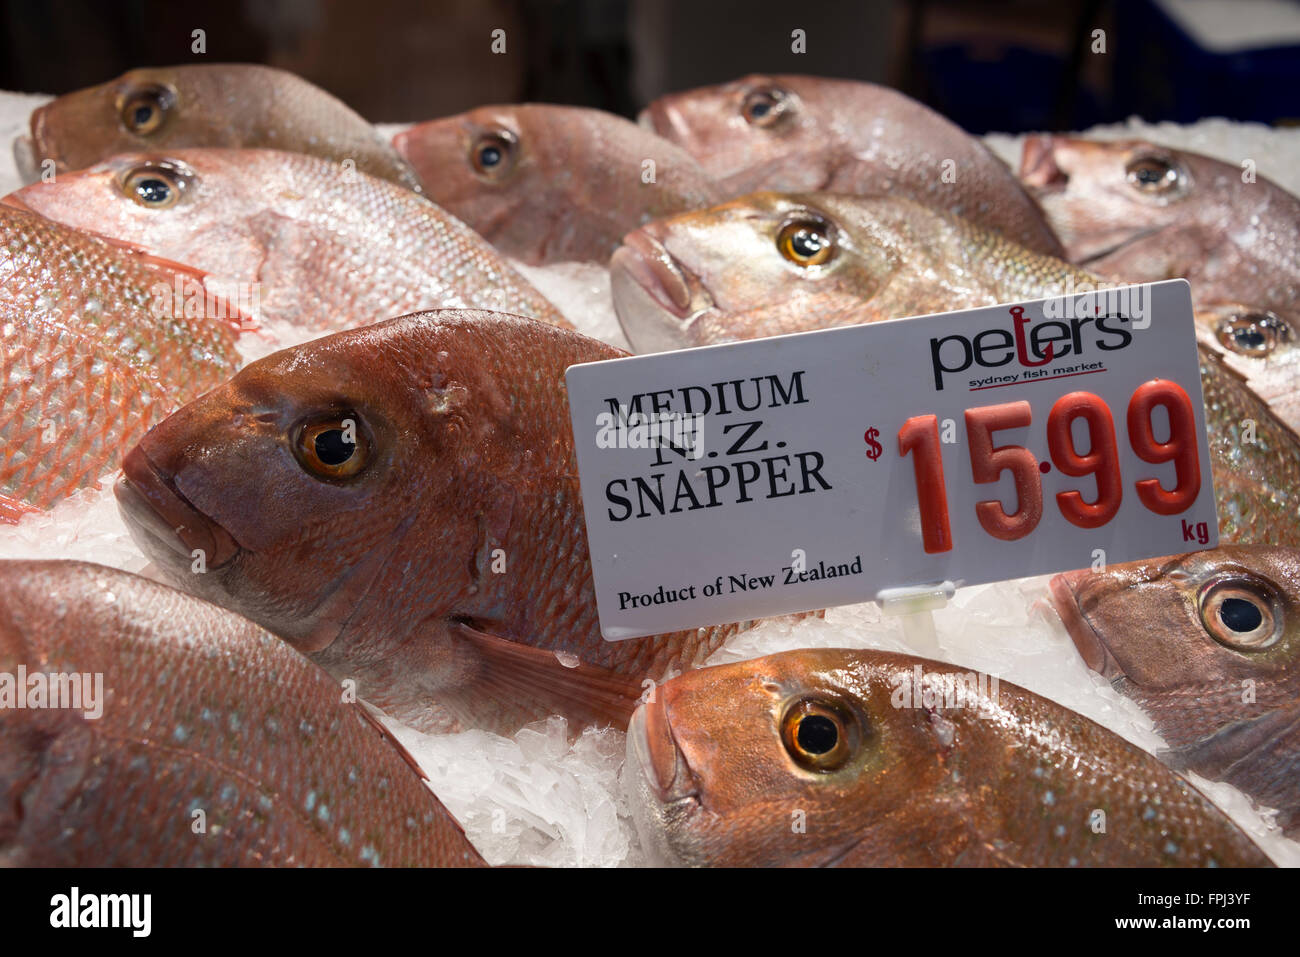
x,y
1038,166
1092,648
655,297
664,768
153,506
1087,253
1046,178
648,262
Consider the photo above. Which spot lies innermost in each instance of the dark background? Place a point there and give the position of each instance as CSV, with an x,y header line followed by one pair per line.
x,y
1012,65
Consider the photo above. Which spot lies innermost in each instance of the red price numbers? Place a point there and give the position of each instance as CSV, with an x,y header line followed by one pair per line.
x,y
919,437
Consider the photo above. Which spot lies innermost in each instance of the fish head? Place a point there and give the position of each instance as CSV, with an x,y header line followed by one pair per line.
x,y
286,493
791,758
199,206
755,130
548,183
1197,620
144,109
1102,196
480,166
675,281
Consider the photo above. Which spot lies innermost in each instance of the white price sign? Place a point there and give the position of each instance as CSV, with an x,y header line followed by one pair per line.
x,y
794,473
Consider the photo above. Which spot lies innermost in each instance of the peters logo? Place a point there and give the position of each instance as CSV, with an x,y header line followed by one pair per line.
x,y
1029,345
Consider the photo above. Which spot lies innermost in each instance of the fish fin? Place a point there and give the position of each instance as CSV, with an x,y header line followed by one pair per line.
x,y
519,676
1260,755
372,718
167,269
12,509
1210,357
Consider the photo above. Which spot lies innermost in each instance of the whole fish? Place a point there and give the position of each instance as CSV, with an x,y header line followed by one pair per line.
x,y
401,503
1139,212
553,183
1208,644
803,133
96,349
140,727
812,261
837,758
322,246
218,104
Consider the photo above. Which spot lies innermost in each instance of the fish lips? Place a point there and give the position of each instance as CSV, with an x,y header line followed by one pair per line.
x,y
1038,166
650,741
1067,598
164,522
655,298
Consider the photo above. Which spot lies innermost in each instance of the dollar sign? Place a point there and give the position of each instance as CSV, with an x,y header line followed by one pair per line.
x,y
874,451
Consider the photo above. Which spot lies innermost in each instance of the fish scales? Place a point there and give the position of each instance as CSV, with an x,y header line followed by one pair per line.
x,y
90,358
1255,459
200,711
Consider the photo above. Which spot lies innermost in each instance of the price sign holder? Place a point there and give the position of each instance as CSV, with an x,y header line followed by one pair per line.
x,y
891,460
914,606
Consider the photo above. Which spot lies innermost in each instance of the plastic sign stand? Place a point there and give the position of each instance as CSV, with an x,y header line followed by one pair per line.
x,y
915,607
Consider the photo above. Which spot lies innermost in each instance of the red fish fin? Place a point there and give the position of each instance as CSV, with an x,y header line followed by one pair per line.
x,y
522,678
369,717
13,509
167,270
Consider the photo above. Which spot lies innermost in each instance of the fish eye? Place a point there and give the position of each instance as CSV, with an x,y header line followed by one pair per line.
x,y
492,154
766,107
333,448
1254,334
1242,614
817,735
154,186
144,110
806,242
1153,175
